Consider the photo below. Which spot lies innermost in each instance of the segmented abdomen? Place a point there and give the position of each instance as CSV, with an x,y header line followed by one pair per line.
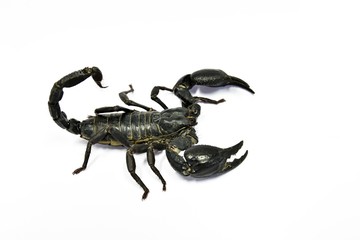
x,y
137,126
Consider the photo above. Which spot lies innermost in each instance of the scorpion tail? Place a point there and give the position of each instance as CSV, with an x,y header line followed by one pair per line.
x,y
70,80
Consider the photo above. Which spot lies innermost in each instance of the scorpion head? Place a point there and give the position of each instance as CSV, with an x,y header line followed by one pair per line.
x,y
174,119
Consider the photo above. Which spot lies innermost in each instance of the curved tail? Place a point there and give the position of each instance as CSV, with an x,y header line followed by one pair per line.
x,y
70,80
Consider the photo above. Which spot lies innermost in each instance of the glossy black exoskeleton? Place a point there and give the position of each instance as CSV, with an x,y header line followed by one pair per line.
x,y
171,130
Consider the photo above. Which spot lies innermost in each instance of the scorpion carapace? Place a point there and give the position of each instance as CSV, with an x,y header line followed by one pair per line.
x,y
171,130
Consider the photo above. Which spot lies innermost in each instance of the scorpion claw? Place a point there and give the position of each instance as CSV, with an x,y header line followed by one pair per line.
x,y
209,78
205,161
231,165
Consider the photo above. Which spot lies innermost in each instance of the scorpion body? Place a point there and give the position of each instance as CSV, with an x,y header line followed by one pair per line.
x,y
136,127
171,130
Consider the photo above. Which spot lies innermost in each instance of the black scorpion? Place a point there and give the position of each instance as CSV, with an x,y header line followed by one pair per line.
x,y
171,130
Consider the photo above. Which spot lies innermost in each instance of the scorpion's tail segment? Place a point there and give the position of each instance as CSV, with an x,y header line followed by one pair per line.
x,y
57,92
204,161
209,78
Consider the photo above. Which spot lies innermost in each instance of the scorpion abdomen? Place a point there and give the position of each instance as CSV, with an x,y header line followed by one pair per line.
x,y
138,127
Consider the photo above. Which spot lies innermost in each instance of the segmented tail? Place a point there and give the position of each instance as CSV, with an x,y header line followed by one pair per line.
x,y
56,94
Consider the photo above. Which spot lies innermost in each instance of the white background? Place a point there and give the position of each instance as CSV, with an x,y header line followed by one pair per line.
x,y
301,179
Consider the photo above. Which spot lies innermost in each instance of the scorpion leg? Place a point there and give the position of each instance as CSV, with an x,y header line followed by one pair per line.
x,y
151,162
95,139
120,137
131,165
209,78
154,95
112,109
123,96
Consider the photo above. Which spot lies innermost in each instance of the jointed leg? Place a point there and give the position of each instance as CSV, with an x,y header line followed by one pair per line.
x,y
151,162
121,138
123,96
95,139
130,162
112,109
155,91
208,100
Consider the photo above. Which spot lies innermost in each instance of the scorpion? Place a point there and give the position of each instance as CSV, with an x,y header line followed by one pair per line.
x,y
171,129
